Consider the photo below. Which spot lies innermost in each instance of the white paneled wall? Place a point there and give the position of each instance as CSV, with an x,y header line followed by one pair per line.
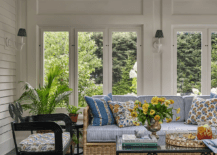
x,y
7,71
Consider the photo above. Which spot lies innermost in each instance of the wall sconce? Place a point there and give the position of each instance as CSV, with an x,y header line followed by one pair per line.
x,y
14,44
157,45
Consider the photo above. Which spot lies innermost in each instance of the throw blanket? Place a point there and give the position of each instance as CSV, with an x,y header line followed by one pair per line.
x,y
212,144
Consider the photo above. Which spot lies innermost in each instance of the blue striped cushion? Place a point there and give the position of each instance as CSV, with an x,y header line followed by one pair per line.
x,y
213,95
100,110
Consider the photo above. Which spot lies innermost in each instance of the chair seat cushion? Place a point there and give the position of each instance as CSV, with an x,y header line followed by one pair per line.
x,y
42,142
108,133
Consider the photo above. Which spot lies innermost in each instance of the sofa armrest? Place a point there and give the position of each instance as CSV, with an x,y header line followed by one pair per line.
x,y
86,123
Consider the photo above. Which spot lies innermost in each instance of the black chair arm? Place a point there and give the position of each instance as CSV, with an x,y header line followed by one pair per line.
x,y
55,117
27,126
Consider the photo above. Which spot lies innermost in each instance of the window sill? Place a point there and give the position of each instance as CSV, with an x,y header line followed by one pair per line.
x,y
63,110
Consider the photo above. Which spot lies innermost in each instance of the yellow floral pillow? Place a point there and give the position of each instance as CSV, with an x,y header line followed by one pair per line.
x,y
122,113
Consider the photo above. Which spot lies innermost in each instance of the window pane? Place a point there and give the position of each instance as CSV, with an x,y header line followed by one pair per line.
x,y
90,65
188,62
124,63
214,60
56,52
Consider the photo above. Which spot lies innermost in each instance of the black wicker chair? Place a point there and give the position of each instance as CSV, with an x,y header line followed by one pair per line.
x,y
41,122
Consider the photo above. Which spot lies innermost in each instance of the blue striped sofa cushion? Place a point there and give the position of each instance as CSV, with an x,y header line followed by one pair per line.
x,y
100,110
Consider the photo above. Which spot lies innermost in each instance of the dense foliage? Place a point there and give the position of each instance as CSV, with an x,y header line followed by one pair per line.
x,y
90,61
124,47
43,100
188,62
214,61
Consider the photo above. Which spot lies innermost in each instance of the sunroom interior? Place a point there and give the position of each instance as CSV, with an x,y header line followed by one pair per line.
x,y
123,47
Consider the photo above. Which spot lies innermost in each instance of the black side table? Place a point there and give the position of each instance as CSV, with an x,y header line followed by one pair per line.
x,y
76,127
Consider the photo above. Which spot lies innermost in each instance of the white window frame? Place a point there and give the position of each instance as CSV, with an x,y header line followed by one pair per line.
x,y
71,56
107,56
204,59
105,83
139,57
209,57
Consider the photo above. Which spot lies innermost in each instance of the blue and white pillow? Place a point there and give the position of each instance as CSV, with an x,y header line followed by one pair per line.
x,y
213,95
100,110
203,110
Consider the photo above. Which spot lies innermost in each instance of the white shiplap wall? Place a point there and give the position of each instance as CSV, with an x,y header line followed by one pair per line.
x,y
7,71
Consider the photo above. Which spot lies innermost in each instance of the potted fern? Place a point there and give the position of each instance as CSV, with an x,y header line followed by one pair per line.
x,y
73,112
44,100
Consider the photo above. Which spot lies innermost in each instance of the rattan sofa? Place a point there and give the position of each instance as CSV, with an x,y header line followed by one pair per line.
x,y
108,147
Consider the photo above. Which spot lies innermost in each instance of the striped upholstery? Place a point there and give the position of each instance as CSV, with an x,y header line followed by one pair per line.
x,y
108,133
121,98
100,110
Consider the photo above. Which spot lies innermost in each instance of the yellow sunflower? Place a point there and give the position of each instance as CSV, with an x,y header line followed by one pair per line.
x,y
134,122
134,114
154,100
138,124
168,120
140,104
146,105
157,117
167,103
135,107
130,110
171,101
144,112
152,112
177,118
178,110
161,100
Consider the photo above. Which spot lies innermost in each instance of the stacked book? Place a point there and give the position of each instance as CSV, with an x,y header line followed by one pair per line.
x,y
130,142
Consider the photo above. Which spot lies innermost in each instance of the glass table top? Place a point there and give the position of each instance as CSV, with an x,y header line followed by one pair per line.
x,y
161,148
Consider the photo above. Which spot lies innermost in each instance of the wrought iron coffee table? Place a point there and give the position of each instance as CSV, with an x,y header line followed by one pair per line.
x,y
162,148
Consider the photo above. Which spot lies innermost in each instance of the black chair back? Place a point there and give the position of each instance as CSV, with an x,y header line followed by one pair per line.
x,y
16,112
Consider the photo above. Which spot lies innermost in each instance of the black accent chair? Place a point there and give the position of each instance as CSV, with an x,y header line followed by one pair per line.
x,y
41,122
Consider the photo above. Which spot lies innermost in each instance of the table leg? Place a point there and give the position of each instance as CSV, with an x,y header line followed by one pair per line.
x,y
78,140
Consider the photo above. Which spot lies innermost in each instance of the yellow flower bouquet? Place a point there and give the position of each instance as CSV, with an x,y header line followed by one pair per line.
x,y
159,109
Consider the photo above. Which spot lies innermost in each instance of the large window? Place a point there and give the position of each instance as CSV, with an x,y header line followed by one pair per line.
x,y
94,61
195,61
124,63
214,60
56,53
90,65
188,62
